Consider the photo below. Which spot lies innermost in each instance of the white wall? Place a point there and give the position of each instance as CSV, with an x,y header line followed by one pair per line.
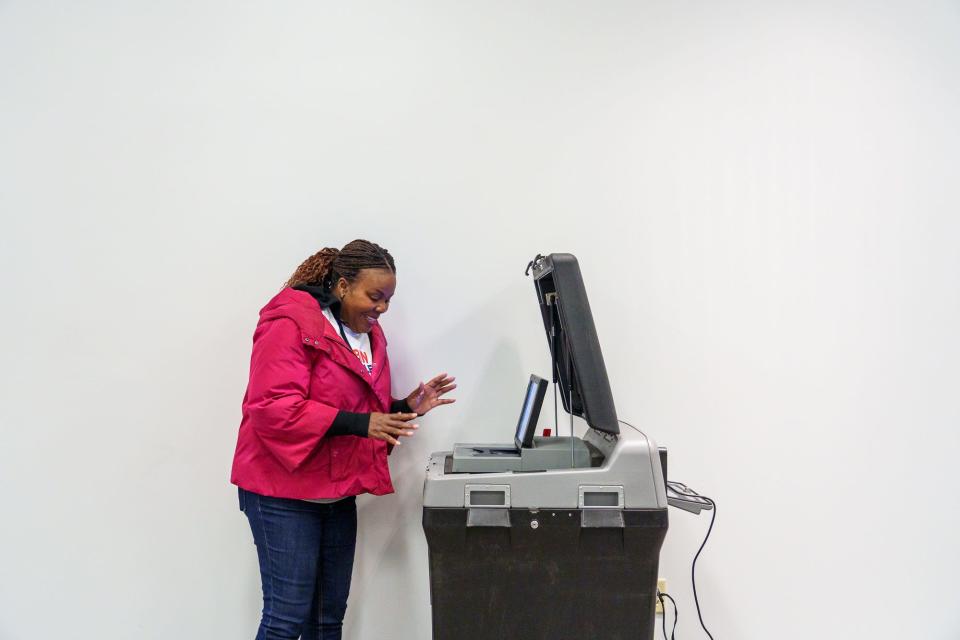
x,y
763,197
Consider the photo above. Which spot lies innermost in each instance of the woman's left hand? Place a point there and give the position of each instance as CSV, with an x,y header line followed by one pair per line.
x,y
427,395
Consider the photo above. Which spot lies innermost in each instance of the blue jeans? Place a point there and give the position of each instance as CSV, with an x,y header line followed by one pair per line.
x,y
306,560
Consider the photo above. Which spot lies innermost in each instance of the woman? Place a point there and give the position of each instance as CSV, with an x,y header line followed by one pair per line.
x,y
318,423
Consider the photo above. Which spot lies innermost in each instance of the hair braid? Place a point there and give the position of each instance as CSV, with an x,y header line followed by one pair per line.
x,y
328,265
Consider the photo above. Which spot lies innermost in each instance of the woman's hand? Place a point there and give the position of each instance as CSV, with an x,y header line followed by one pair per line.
x,y
427,395
390,426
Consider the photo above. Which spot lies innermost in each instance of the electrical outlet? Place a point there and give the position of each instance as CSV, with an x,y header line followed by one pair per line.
x,y
662,588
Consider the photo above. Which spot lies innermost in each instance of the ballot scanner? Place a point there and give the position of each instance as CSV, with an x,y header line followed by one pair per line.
x,y
550,537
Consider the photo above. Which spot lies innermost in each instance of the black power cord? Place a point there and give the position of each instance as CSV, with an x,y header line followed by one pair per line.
x,y
676,614
693,569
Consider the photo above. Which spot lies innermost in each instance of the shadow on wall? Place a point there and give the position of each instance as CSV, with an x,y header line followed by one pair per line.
x,y
390,578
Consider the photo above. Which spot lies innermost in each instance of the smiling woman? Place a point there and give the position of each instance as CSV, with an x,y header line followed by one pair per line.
x,y
318,423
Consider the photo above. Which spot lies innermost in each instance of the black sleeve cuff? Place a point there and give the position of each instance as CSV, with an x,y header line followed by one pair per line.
x,y
400,406
348,423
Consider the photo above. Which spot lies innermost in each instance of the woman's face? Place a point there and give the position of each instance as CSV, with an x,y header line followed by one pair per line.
x,y
365,299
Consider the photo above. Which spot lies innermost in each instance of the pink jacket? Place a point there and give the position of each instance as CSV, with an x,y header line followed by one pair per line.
x,y
301,374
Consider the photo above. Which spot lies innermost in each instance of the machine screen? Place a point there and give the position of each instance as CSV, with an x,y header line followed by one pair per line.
x,y
530,412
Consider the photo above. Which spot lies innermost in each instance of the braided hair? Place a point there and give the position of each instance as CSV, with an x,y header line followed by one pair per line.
x,y
328,265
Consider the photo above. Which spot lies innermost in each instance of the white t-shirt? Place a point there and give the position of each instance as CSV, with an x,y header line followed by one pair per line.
x,y
359,342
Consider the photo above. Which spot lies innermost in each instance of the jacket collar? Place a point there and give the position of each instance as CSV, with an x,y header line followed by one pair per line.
x,y
321,294
316,332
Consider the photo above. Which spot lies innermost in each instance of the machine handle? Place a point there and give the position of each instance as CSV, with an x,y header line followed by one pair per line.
x,y
486,517
486,496
601,519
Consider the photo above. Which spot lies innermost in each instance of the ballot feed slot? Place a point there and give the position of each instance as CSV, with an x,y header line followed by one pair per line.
x,y
487,495
601,497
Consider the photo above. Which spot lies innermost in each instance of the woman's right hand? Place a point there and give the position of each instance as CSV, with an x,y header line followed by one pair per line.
x,y
390,426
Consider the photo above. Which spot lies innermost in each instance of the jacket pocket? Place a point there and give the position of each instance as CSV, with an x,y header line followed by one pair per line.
x,y
341,453
351,457
356,459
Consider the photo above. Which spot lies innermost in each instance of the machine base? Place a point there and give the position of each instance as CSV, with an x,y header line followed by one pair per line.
x,y
554,574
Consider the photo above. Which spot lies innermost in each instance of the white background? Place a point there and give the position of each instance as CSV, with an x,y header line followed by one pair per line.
x,y
763,198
